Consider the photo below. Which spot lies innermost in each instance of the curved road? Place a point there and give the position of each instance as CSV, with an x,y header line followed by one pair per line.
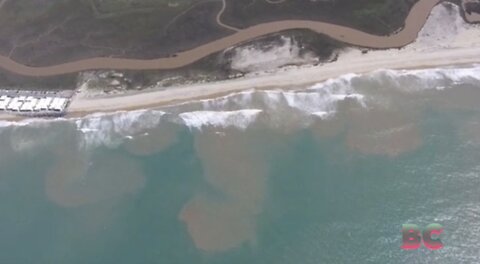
x,y
413,24
219,17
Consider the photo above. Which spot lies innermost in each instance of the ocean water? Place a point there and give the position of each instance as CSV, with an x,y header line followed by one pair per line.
x,y
326,174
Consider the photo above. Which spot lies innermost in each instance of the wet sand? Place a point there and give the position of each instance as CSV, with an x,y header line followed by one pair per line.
x,y
413,24
288,79
10,117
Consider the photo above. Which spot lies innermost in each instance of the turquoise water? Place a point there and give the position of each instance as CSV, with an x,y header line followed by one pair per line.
x,y
324,175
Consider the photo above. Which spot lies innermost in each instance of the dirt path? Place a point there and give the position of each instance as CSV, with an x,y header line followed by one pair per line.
x,y
219,17
274,2
413,24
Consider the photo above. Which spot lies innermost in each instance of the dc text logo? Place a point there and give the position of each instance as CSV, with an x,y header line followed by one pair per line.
x,y
412,237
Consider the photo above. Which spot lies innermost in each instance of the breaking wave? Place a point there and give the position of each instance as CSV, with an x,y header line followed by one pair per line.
x,y
111,129
425,79
240,119
241,110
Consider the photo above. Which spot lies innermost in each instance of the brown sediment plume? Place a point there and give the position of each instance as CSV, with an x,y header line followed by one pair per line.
x,y
25,139
75,180
327,128
413,24
152,141
217,225
234,169
380,132
462,98
231,164
333,124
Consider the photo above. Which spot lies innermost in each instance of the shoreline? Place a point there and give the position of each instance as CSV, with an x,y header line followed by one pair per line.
x,y
436,46
291,79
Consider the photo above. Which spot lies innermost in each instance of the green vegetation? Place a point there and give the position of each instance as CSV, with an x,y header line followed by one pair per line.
x,y
374,9
110,8
472,7
58,83
382,16
52,31
217,66
46,32
373,16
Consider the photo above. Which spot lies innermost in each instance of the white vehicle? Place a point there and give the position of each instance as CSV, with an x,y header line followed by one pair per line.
x,y
58,104
16,103
43,103
4,101
29,104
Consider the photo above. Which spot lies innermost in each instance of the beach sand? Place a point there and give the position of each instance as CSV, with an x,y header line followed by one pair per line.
x,y
445,40
289,79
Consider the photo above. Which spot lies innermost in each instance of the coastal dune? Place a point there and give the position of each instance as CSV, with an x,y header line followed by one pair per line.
x,y
286,80
444,40
440,38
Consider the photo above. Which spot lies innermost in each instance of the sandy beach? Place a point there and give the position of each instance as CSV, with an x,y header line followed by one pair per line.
x,y
445,40
288,79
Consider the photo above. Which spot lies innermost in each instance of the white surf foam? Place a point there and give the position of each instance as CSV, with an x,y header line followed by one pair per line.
x,y
241,109
425,79
239,119
111,129
322,97
29,122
